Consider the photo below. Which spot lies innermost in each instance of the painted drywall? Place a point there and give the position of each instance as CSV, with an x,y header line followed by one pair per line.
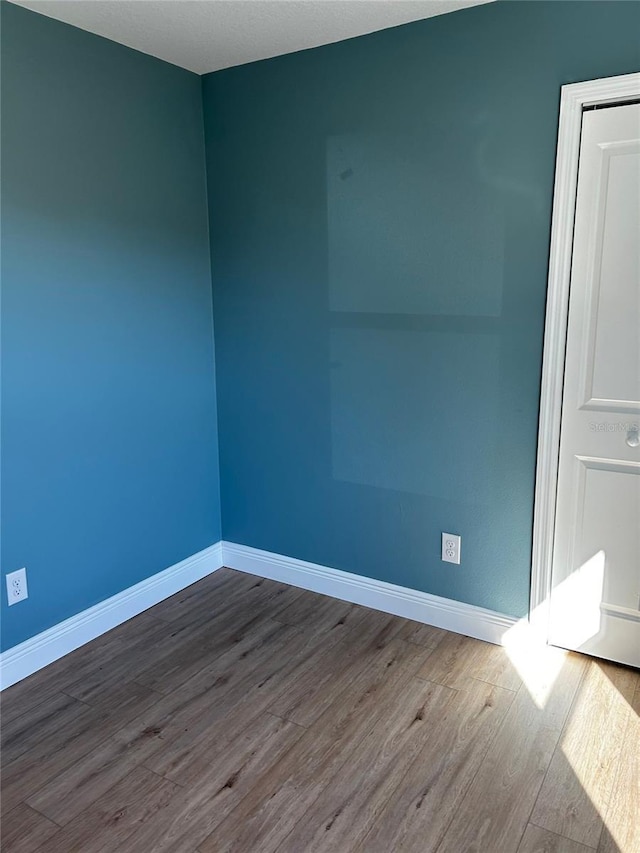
x,y
109,446
380,213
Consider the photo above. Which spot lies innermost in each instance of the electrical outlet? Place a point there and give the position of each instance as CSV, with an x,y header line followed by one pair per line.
x,y
450,548
17,586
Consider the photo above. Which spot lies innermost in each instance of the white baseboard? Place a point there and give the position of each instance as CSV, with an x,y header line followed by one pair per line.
x,y
390,598
39,651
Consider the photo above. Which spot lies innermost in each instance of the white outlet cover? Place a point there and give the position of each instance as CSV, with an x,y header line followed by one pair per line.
x,y
17,586
451,548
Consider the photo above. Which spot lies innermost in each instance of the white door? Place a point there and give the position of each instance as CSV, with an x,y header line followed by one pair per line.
x,y
595,599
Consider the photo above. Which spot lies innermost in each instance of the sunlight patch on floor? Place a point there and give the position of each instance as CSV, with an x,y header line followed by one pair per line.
x,y
576,603
599,707
537,664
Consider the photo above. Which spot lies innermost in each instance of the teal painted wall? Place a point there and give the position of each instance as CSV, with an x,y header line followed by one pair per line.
x,y
380,213
109,446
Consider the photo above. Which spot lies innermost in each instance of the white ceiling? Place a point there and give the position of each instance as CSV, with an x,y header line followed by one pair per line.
x,y
206,35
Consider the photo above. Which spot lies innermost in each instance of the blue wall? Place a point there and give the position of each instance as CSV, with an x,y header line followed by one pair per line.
x,y
380,213
109,446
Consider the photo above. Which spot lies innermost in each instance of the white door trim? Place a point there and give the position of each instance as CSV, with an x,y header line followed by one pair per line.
x,y
573,99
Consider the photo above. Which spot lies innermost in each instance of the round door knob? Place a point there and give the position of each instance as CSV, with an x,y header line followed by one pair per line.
x,y
633,436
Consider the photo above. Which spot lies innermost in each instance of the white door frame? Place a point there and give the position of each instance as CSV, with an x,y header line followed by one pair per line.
x,y
574,98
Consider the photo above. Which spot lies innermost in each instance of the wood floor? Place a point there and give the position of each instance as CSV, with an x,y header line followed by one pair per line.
x,y
244,715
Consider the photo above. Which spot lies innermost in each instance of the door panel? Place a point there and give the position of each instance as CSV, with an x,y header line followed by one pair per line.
x,y
613,339
595,601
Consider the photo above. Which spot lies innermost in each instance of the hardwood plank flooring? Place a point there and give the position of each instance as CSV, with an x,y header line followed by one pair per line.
x,y
344,813
283,795
622,819
495,810
244,715
423,804
23,829
538,840
579,783
81,784
460,658
111,821
67,743
218,783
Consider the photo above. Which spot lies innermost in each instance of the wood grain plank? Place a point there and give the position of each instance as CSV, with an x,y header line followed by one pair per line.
x,y
422,635
109,823
280,798
318,681
538,840
42,686
217,588
245,695
351,801
495,810
183,656
285,720
312,610
621,832
23,830
113,695
577,789
26,695
458,658
243,596
424,802
66,744
232,692
73,790
219,702
99,685
33,730
214,784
